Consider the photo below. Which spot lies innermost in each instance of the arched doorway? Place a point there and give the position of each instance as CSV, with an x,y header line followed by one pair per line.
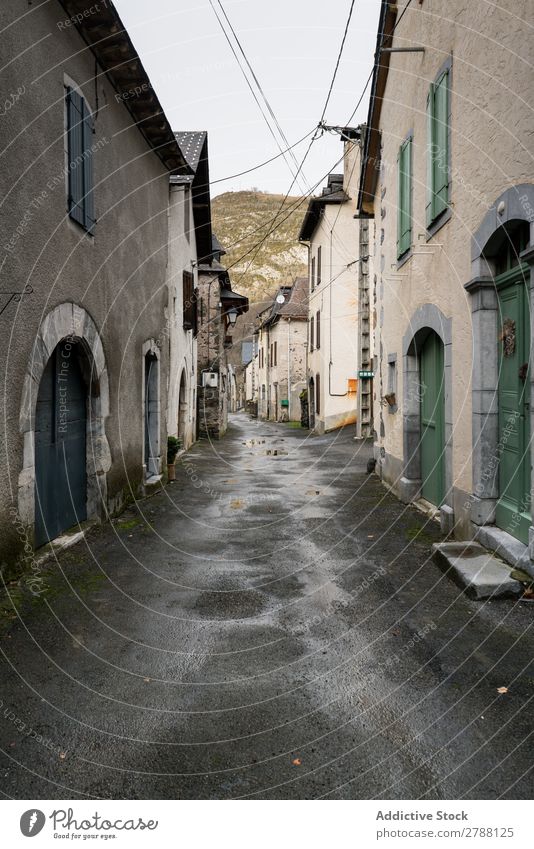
x,y
502,301
151,416
67,324
60,444
182,409
432,416
427,412
512,283
311,403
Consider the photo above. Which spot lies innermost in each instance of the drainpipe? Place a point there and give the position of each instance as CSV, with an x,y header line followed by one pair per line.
x,y
288,370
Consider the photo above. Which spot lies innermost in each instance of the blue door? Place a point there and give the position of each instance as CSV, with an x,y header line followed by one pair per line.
x,y
60,445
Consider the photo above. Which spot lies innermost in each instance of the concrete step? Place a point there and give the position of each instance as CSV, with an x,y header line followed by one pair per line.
x,y
478,571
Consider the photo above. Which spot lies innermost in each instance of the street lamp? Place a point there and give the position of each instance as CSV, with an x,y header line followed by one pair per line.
x,y
231,315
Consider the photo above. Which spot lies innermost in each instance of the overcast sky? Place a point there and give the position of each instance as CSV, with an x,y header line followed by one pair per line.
x,y
292,46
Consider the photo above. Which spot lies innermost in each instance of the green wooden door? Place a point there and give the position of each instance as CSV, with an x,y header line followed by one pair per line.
x,y
513,506
432,420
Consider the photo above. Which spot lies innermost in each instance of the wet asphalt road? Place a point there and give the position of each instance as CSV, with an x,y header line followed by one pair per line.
x,y
269,626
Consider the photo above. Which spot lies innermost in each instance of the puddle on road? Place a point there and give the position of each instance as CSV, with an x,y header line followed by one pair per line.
x,y
269,452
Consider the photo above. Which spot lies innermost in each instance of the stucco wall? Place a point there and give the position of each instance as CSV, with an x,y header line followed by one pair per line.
x,y
490,127
337,300
290,337
182,343
118,277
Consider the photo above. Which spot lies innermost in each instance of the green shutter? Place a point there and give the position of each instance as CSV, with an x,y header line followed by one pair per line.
x,y
75,133
441,136
438,149
404,198
429,156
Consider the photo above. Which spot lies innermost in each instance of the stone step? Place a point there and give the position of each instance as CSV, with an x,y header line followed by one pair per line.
x,y
478,571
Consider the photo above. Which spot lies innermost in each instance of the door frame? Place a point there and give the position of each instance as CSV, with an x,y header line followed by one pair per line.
x,y
424,320
67,321
150,349
515,204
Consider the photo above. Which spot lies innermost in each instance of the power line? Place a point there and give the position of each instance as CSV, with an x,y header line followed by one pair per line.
x,y
232,48
319,127
360,99
329,95
256,80
266,162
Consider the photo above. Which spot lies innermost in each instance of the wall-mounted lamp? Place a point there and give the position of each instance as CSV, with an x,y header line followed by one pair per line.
x,y
231,315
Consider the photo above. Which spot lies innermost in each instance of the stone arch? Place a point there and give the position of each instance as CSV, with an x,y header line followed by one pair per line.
x,y
183,407
68,321
515,204
151,399
425,319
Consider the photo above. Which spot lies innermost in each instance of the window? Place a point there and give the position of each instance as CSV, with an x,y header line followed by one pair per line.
x,y
318,329
317,393
311,333
189,302
319,251
404,198
275,352
438,116
312,274
80,165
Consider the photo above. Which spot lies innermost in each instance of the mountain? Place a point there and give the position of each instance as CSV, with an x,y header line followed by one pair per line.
x,y
240,221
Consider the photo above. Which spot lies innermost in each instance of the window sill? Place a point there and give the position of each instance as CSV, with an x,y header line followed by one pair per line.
x,y
403,259
438,223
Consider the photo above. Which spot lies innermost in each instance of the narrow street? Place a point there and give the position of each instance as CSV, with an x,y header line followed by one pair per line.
x,y
271,625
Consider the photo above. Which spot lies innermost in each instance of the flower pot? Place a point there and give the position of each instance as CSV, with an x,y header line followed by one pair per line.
x,y
171,471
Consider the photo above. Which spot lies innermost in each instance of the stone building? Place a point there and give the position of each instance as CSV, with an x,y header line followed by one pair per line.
x,y
87,154
447,175
189,240
218,310
339,338
281,361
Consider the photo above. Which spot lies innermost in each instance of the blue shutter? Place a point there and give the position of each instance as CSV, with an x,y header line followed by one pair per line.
x,y
88,131
75,155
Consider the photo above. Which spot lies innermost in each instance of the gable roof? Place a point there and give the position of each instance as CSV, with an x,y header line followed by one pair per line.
x,y
194,146
108,39
191,144
333,192
295,304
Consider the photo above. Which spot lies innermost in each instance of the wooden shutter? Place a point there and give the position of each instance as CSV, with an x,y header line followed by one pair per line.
x,y
319,252
313,274
438,148
80,130
75,134
404,199
88,199
441,137
189,307
317,393
276,353
311,334
317,329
